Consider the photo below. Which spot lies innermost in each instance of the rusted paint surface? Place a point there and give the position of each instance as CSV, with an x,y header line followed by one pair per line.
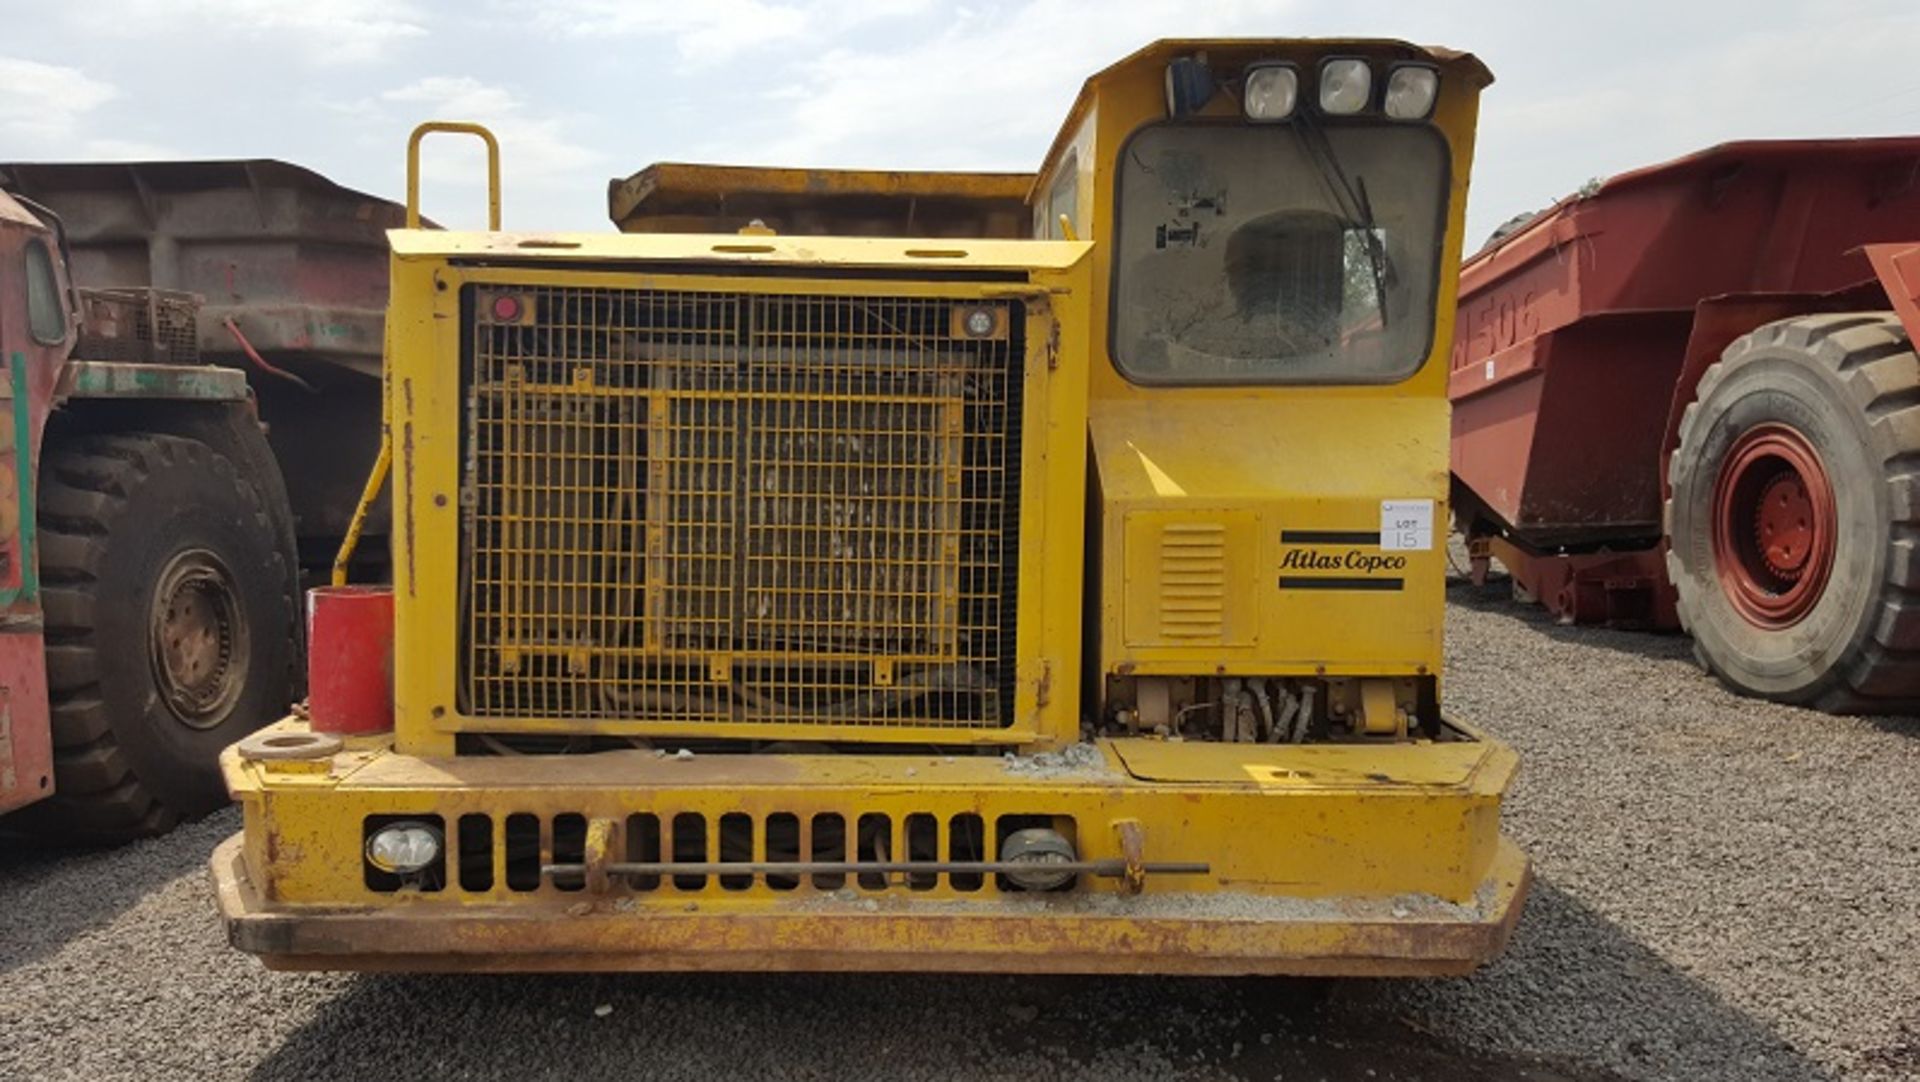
x,y
406,467
1133,845
602,838
26,741
1373,841
31,367
1015,935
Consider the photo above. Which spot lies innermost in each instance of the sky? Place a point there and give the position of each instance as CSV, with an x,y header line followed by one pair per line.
x,y
581,91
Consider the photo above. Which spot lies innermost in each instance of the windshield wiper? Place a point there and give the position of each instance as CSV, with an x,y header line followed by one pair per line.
x,y
1351,198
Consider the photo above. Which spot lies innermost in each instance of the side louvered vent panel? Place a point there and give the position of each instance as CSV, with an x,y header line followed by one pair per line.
x,y
1193,582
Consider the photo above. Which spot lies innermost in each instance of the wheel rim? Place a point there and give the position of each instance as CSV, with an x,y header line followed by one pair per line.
x,y
1773,526
198,639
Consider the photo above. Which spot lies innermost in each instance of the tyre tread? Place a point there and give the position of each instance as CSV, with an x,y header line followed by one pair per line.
x,y
85,483
1870,355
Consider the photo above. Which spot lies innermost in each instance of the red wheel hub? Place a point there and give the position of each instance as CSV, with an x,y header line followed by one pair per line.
x,y
1774,526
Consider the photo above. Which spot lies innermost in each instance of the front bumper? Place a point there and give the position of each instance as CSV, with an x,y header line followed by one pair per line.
x,y
1169,934
1323,862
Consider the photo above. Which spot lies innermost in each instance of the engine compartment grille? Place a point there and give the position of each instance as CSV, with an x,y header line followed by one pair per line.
x,y
713,507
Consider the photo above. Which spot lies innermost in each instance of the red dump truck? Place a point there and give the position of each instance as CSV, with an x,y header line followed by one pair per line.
x,y
191,357
1688,398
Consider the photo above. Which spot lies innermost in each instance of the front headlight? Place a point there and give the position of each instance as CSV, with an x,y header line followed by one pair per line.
x,y
1272,91
1410,92
404,848
1346,86
1037,850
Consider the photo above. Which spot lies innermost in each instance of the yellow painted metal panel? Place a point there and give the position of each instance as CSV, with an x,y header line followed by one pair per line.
x,y
1260,497
1310,477
1150,934
1186,577
1319,766
429,415
1371,821
729,249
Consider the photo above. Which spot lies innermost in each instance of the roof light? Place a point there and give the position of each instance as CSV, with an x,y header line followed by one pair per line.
x,y
1346,86
1411,89
1272,91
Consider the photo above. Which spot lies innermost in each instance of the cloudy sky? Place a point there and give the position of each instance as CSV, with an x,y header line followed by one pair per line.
x,y
583,90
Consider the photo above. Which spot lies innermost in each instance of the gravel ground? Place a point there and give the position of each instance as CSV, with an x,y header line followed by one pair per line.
x,y
1726,890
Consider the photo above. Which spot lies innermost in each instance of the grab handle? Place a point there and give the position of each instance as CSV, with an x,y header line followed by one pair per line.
x,y
413,167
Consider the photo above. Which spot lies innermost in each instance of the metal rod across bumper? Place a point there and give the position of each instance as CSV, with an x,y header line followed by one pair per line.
x,y
1104,869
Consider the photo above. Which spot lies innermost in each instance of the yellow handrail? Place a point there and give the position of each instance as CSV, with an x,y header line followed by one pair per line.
x,y
413,167
382,466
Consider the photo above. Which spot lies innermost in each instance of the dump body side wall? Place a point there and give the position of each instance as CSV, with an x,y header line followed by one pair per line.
x,y
280,257
1582,335
672,197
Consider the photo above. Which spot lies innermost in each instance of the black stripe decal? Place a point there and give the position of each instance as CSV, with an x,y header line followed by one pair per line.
x,y
1320,582
1330,537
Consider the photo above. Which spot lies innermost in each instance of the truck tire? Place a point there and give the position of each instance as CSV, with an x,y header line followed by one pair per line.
x,y
171,616
1793,520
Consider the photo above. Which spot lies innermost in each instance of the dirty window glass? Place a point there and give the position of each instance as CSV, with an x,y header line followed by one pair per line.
x,y
46,315
1063,200
1277,253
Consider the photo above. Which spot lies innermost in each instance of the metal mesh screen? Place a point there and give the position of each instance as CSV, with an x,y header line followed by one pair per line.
x,y
150,326
731,507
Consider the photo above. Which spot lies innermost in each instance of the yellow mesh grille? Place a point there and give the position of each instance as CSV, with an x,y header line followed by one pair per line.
x,y
719,507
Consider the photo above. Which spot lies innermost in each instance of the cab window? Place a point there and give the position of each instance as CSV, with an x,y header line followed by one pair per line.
x,y
1063,200
1284,253
46,315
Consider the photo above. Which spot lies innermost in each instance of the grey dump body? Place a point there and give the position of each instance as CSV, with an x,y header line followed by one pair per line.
x,y
290,270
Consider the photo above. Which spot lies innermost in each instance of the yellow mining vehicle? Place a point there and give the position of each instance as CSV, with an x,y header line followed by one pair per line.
x,y
1060,602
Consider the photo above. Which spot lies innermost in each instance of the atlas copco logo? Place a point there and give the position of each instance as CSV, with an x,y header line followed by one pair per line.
x,y
1367,563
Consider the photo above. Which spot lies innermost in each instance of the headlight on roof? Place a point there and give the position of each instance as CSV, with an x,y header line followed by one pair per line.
x,y
1411,89
1346,86
1272,92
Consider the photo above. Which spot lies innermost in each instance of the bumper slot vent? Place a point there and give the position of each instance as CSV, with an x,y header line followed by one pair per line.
x,y
527,844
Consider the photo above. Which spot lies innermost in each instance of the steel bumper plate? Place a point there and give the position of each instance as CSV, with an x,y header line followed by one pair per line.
x,y
1152,933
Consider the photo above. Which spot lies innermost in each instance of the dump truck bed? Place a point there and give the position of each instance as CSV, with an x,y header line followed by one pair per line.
x,y
290,269
1573,330
297,260
675,197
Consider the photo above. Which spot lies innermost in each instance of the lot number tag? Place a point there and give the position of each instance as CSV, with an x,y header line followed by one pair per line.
x,y
1406,525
